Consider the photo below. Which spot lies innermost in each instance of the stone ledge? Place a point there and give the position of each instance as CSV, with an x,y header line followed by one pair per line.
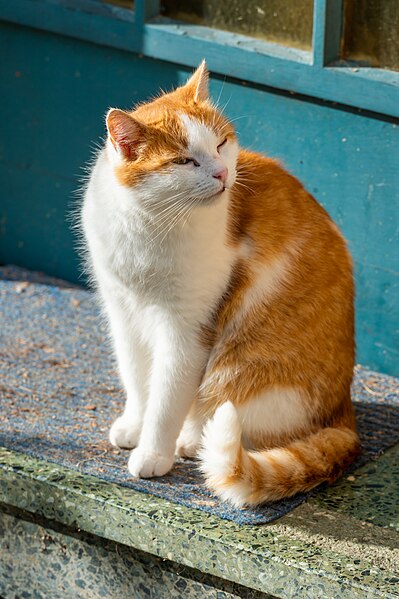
x,y
343,542
45,559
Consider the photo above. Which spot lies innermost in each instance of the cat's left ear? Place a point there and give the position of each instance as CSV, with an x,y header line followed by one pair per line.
x,y
198,85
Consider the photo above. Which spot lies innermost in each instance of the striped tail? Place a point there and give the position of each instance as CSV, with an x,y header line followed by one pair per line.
x,y
248,478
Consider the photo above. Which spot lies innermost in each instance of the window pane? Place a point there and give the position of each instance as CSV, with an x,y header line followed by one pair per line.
x,y
371,32
288,23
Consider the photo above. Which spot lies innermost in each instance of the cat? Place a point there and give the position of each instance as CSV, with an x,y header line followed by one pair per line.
x,y
229,294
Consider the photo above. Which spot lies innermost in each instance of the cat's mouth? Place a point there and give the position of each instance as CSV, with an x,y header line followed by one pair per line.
x,y
218,193
214,197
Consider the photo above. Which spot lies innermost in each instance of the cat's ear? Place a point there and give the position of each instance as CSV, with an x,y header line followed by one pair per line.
x,y
198,85
125,133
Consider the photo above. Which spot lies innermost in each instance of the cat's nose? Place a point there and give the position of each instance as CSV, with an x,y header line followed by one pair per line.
x,y
221,174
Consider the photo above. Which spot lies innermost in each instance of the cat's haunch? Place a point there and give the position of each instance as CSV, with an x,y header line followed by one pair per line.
x,y
229,295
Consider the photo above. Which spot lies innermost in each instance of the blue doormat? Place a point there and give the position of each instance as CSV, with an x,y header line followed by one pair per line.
x,y
60,393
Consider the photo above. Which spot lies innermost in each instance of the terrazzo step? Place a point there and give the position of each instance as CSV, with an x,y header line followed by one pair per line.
x,y
43,559
69,530
63,533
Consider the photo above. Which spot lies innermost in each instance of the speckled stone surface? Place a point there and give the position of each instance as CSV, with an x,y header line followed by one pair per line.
x,y
316,551
372,495
60,394
39,562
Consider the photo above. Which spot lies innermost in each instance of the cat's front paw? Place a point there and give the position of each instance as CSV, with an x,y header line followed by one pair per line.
x,y
125,433
146,464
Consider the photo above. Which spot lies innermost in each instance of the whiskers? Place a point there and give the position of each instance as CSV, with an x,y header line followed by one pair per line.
x,y
243,185
175,213
245,182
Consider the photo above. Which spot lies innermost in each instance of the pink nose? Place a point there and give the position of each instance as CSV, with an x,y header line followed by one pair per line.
x,y
221,174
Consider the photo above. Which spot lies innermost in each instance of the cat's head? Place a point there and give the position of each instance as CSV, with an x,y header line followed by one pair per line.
x,y
178,145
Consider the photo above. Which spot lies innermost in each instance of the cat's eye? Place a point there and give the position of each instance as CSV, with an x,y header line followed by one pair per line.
x,y
222,144
182,160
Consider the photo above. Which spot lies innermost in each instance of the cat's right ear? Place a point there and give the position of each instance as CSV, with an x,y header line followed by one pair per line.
x,y
197,87
125,133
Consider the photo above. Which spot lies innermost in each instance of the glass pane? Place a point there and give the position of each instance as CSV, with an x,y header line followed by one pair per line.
x,y
288,23
371,32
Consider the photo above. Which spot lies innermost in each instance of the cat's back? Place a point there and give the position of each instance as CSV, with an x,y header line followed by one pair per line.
x,y
266,189
271,208
298,270
292,290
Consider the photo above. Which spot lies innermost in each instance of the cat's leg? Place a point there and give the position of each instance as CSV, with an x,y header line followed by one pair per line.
x,y
177,369
189,440
126,429
134,367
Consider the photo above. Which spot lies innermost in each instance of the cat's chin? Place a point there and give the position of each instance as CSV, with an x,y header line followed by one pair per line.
x,y
209,200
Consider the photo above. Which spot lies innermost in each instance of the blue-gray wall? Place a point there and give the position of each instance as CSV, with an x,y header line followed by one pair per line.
x,y
54,93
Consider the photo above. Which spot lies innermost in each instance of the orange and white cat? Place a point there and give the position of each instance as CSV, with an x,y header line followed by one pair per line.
x,y
229,295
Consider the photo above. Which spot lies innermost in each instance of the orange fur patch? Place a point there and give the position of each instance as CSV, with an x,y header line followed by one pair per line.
x,y
302,336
